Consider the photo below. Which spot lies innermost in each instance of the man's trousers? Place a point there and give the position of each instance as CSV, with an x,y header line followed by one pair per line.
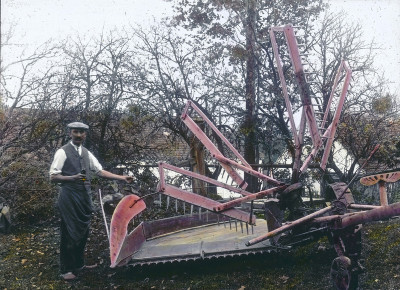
x,y
71,252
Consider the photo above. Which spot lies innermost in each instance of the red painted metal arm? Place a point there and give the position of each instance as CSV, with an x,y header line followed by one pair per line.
x,y
163,166
336,118
213,150
362,206
376,214
335,84
301,80
253,196
288,226
206,203
284,86
253,172
314,152
215,129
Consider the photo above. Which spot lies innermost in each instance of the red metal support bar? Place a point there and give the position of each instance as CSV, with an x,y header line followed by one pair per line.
x,y
283,83
213,149
382,193
287,227
314,151
380,213
253,196
206,203
335,84
363,206
250,171
216,131
186,110
336,118
163,166
331,218
302,82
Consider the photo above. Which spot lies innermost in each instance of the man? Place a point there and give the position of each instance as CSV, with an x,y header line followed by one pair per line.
x,y
72,168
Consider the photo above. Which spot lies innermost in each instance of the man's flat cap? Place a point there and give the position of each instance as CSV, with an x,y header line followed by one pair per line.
x,y
78,125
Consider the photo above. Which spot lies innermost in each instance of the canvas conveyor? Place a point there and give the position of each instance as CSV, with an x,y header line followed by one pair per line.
x,y
203,241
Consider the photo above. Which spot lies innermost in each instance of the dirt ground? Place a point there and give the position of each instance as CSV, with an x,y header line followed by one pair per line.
x,y
29,260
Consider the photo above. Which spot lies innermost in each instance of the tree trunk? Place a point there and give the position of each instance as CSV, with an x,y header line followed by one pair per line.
x,y
197,153
250,141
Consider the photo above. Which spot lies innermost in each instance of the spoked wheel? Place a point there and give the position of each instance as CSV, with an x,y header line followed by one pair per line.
x,y
342,276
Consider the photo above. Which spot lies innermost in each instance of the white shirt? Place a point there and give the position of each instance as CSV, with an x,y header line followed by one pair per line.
x,y
60,157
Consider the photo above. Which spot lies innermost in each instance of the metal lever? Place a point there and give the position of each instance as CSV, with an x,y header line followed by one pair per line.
x,y
104,215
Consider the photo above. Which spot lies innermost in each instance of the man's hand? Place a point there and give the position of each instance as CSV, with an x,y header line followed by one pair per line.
x,y
128,179
106,174
79,176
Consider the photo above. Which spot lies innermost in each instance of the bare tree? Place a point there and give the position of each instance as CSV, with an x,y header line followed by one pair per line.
x,y
26,125
173,68
335,40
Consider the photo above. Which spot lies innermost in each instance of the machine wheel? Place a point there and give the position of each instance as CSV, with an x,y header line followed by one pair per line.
x,y
342,274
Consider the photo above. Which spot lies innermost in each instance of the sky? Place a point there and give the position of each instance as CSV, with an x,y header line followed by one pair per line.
x,y
380,21
36,21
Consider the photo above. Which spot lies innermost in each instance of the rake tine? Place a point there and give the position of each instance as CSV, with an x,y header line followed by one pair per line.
x,y
252,229
191,209
241,226
247,228
199,213
168,202
230,225
236,224
218,220
251,213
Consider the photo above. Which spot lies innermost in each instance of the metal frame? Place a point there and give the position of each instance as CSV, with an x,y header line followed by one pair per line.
x,y
338,218
306,98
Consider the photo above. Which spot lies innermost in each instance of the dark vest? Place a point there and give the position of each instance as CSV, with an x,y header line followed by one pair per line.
x,y
74,164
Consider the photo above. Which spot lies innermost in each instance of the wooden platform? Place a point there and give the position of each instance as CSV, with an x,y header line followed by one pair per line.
x,y
207,241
